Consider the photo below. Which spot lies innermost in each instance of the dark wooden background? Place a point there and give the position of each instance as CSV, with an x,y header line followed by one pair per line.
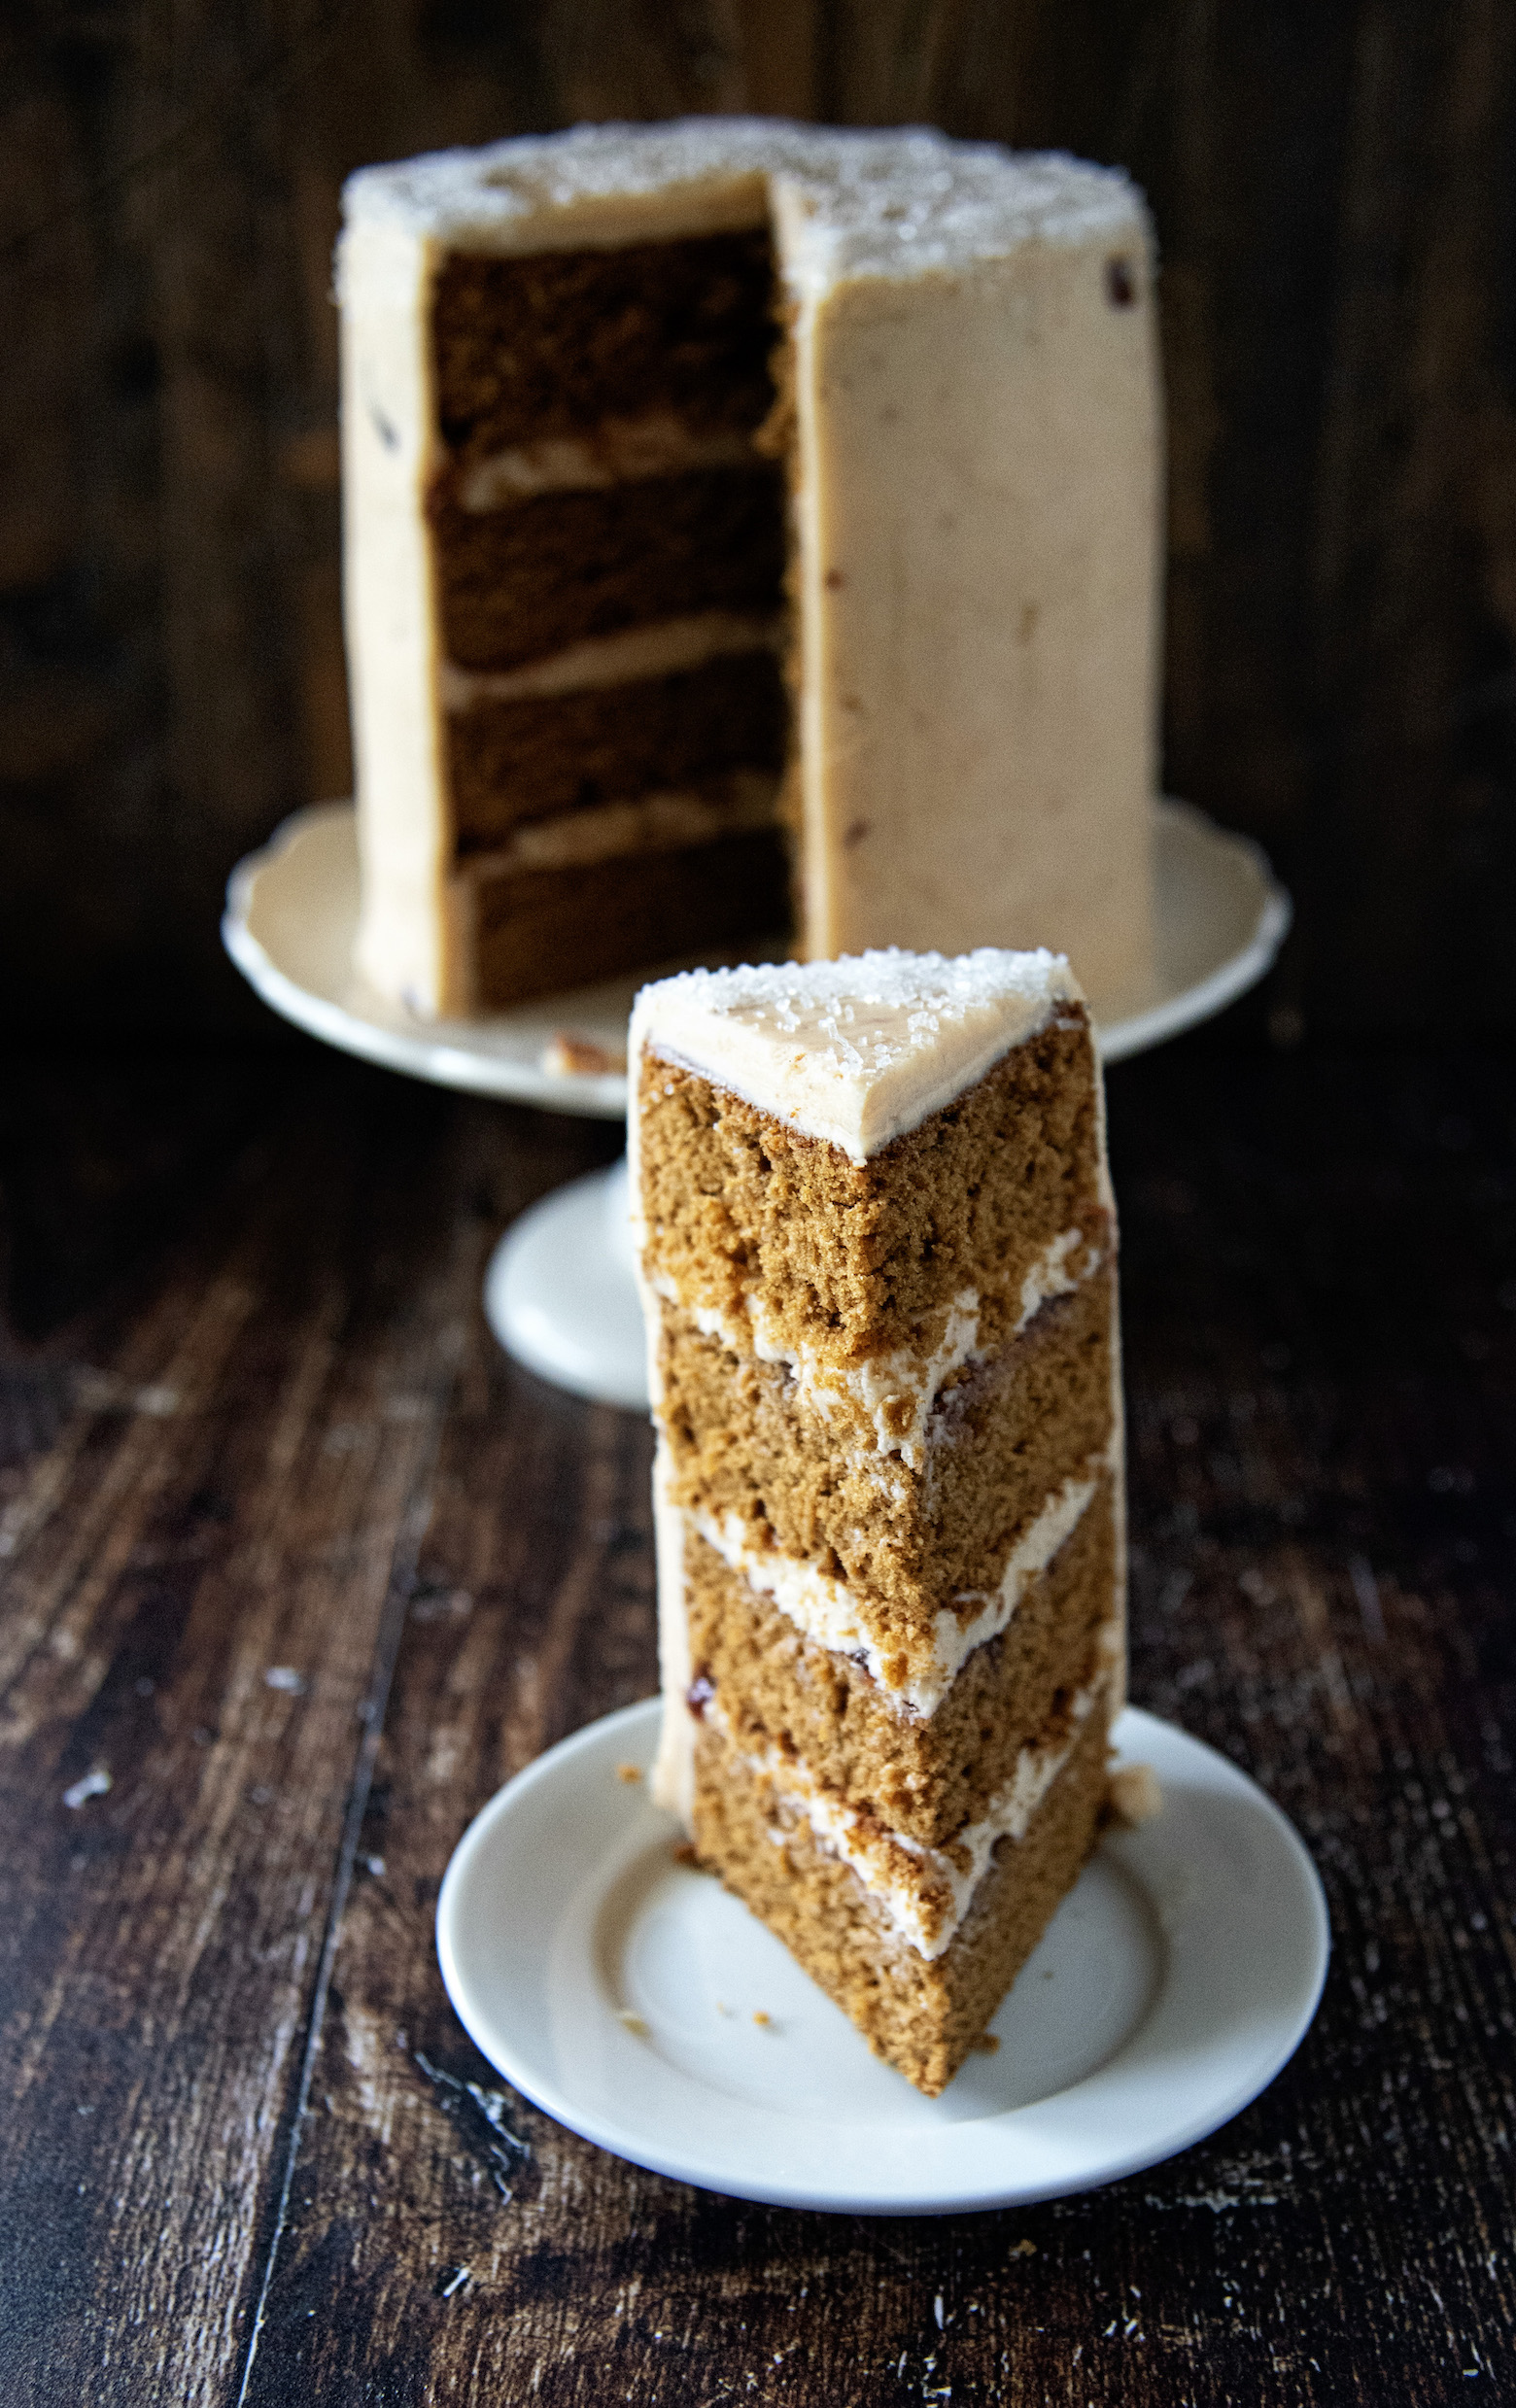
x,y
1335,193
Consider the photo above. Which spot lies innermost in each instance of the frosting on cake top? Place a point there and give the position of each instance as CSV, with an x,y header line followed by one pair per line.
x,y
855,1051
860,203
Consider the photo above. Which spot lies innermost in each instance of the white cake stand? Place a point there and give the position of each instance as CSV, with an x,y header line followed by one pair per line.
x,y
559,1292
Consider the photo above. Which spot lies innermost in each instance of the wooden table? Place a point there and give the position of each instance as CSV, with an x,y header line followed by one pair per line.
x,y
302,1569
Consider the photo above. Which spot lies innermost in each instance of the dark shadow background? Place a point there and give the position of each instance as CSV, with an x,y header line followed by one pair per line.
x,y
1334,189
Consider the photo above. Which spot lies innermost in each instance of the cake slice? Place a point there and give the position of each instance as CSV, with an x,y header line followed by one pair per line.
x,y
746,524
877,1259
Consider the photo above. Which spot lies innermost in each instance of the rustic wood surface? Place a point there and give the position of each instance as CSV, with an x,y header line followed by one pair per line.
x,y
1331,190
299,1562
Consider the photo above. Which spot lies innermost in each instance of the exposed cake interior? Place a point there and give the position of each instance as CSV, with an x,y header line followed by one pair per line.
x,y
608,521
876,1250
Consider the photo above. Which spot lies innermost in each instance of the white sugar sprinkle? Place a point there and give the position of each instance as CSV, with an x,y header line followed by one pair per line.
x,y
857,1050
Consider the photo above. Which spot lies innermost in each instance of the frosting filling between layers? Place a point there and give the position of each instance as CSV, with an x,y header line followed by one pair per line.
x,y
915,1676
654,823
927,1893
1051,1275
898,1390
664,649
619,451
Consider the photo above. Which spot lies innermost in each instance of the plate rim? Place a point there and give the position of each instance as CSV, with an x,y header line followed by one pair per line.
x,y
447,1052
633,2146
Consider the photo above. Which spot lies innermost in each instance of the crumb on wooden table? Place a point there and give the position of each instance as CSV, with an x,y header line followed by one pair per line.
x,y
1023,2249
629,1773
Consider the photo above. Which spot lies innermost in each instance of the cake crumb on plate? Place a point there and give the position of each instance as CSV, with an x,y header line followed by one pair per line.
x,y
567,1056
1134,1794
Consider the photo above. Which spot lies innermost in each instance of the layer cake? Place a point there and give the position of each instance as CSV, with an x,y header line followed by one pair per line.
x,y
746,521
877,1259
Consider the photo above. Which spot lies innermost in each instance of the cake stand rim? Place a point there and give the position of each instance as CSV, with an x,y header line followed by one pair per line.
x,y
468,1056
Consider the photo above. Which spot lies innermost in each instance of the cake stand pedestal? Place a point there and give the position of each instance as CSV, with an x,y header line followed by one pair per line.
x,y
559,1292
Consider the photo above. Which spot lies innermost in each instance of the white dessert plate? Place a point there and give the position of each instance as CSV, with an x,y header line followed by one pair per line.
x,y
291,911
640,2004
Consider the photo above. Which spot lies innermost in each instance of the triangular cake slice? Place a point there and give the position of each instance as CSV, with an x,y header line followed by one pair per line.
x,y
878,1256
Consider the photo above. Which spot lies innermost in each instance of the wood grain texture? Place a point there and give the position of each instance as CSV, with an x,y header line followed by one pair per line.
x,y
1332,191
279,1438
211,1517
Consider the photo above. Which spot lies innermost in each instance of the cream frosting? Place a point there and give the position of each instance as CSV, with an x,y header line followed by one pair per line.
x,y
976,481
925,1893
1051,1275
621,451
673,1781
857,1052
895,1391
664,649
913,1674
654,823
868,202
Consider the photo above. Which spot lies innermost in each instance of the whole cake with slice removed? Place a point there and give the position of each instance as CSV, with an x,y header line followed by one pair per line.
x,y
877,1251
745,524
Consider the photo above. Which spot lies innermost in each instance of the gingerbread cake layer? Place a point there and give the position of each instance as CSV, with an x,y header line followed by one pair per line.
x,y
556,341
536,755
530,576
925,1776
853,1904
839,1261
524,923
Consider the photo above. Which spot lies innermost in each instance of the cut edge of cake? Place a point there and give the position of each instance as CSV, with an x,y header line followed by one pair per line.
x,y
848,1059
